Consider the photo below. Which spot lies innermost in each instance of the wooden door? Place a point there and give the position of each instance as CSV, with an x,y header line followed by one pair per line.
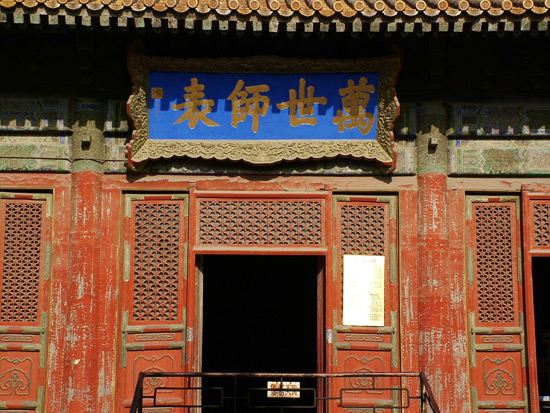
x,y
495,305
154,284
536,236
25,247
365,226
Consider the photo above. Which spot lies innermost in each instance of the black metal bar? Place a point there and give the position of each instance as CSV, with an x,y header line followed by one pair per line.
x,y
428,390
137,401
324,381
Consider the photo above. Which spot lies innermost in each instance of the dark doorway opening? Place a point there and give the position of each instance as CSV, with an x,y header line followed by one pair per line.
x,y
260,314
541,288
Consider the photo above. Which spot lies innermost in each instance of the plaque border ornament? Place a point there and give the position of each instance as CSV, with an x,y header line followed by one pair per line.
x,y
141,149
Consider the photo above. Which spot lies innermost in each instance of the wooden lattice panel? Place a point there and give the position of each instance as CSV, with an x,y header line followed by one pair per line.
x,y
366,226
541,223
21,261
260,222
25,225
497,347
153,292
363,229
157,256
496,263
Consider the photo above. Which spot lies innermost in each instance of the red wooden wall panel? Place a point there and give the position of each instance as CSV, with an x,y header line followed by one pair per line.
x,y
25,247
153,302
498,371
536,238
365,226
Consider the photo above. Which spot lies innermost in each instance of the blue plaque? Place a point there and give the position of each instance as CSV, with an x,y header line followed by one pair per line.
x,y
267,106
262,110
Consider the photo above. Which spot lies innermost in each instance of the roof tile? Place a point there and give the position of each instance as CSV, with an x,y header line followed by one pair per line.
x,y
312,15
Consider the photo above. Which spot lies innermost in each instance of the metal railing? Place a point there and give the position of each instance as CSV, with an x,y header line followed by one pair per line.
x,y
282,392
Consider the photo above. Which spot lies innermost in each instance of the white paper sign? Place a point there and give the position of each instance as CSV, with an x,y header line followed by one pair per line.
x,y
286,393
363,290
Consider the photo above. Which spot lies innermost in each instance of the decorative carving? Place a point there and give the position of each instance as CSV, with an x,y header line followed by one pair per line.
x,y
494,263
15,376
499,376
15,338
497,339
157,250
364,337
502,161
153,364
155,337
21,261
541,224
363,228
261,222
355,364
142,149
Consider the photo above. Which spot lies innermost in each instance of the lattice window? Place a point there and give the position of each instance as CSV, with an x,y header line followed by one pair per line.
x,y
494,263
21,239
157,252
260,222
541,224
363,229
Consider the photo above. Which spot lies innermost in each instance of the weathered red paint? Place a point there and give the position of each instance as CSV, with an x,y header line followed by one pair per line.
x,y
431,277
442,354
83,301
530,195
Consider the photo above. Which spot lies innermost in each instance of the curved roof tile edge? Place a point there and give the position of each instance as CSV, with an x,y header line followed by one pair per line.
x,y
225,16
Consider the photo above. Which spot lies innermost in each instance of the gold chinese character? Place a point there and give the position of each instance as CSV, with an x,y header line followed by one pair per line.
x,y
197,107
248,102
303,105
354,103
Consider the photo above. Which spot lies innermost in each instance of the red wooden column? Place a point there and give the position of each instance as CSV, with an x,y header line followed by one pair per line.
x,y
442,325
83,300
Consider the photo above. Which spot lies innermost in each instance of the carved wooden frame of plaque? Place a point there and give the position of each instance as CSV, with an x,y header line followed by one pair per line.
x,y
261,152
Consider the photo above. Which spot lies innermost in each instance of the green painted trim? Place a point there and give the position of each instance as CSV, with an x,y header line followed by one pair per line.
x,y
379,330
134,346
520,265
473,360
49,204
470,265
522,339
334,349
152,328
126,262
334,263
431,169
185,260
30,405
393,264
394,348
87,165
184,336
47,260
501,330
44,339
40,397
31,347
124,340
